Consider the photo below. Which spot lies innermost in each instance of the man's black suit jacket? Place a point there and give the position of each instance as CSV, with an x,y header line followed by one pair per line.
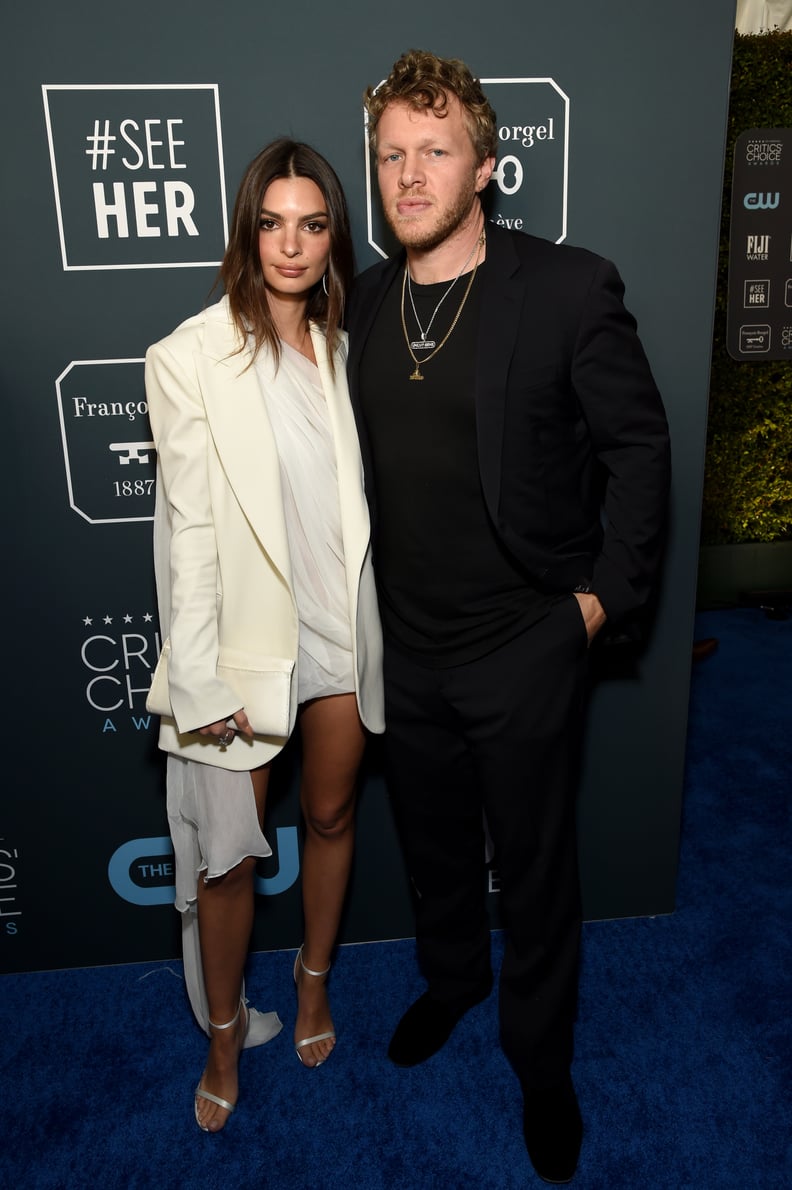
x,y
572,437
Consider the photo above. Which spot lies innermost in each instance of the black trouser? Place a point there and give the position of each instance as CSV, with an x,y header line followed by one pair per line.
x,y
499,735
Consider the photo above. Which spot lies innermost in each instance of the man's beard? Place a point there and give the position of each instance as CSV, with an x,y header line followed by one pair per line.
x,y
412,234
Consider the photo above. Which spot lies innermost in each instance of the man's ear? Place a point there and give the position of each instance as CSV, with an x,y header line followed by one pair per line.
x,y
484,173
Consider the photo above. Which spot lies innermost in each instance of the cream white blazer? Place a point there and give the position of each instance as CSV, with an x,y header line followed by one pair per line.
x,y
221,552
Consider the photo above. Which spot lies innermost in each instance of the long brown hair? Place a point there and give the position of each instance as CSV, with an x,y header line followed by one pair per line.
x,y
241,272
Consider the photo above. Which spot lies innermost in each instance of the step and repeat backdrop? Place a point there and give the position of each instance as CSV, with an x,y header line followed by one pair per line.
x,y
759,322
125,141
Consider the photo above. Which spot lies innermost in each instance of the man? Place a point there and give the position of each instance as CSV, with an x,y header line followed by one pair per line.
x,y
516,460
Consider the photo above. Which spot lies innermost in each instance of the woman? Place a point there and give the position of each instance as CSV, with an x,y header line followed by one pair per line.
x,y
266,590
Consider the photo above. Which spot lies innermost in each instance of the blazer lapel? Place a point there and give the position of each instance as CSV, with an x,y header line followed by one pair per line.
x,y
499,324
370,289
354,511
242,434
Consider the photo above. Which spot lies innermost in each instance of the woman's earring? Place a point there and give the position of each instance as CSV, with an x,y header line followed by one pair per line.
x,y
324,285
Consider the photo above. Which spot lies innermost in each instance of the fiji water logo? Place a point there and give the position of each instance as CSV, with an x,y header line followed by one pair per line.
x,y
757,247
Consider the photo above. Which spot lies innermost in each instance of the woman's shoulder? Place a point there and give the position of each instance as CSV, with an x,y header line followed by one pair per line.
x,y
190,334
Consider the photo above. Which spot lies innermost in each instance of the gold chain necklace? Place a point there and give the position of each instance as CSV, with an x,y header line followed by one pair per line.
x,y
425,343
417,374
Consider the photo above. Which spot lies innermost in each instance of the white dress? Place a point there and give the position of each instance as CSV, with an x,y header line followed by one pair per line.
x,y
211,811
300,422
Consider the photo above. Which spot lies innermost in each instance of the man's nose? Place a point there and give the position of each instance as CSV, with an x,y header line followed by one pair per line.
x,y
412,173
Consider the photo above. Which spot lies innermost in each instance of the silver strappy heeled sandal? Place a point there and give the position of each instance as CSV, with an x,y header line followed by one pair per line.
x,y
299,1045
199,1091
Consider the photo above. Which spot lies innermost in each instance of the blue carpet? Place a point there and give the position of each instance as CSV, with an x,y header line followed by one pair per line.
x,y
683,1061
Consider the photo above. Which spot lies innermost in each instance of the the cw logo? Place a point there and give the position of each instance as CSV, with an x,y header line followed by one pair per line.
x,y
761,202
119,870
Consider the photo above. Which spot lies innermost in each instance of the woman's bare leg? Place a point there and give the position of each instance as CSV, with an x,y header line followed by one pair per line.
x,y
225,921
333,741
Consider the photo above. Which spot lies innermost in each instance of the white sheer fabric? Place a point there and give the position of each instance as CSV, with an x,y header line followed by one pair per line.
x,y
300,422
213,825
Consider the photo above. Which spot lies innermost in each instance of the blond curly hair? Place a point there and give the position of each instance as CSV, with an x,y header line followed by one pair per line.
x,y
422,80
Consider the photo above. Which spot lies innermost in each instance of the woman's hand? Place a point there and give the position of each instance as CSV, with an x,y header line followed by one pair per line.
x,y
224,730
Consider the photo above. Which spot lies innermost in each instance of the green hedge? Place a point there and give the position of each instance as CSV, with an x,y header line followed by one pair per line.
x,y
748,473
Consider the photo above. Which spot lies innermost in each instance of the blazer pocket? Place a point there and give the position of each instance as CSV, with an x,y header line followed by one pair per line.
x,y
261,684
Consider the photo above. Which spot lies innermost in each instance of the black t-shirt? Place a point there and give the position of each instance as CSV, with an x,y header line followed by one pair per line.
x,y
449,591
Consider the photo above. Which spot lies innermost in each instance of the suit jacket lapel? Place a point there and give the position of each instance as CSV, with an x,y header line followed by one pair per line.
x,y
370,290
499,322
369,294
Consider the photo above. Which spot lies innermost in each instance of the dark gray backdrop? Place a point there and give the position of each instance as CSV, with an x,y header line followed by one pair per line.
x,y
647,86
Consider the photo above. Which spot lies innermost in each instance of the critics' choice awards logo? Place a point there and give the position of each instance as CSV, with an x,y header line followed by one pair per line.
x,y
763,151
528,190
118,653
138,175
107,445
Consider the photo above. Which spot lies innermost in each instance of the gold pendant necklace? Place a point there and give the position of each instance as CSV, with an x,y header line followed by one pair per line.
x,y
417,374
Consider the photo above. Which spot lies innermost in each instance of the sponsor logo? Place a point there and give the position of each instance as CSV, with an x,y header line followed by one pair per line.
x,y
138,175
757,247
107,445
754,339
118,653
756,294
763,152
756,201
141,871
10,913
533,130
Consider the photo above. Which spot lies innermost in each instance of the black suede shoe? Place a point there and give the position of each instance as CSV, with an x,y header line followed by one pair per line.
x,y
424,1029
553,1131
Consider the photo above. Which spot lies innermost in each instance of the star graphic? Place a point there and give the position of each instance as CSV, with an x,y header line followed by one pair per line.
x,y
88,621
107,620
147,618
127,618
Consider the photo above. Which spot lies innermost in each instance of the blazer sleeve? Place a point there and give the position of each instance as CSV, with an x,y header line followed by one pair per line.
x,y
629,435
182,439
